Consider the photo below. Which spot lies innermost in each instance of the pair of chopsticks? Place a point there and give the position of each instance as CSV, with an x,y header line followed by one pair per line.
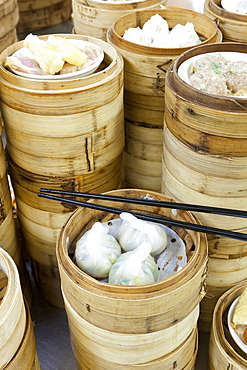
x,y
48,193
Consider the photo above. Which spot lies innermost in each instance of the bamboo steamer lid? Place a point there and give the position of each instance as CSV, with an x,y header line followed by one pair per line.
x,y
103,316
9,17
232,25
12,310
93,18
144,85
96,100
196,112
223,352
35,14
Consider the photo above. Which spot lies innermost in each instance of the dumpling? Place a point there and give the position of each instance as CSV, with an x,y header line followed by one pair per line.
x,y
49,60
185,35
137,36
235,6
156,26
135,267
133,232
53,53
96,251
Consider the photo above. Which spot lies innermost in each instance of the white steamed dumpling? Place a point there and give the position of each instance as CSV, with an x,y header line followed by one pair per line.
x,y
137,36
133,232
96,251
155,33
235,6
185,35
135,267
156,26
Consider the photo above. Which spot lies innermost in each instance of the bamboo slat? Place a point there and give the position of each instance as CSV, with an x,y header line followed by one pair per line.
x,y
223,352
35,15
93,18
144,85
9,17
232,25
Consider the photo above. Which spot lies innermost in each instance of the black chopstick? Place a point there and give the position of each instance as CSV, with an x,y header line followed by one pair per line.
x,y
147,217
153,202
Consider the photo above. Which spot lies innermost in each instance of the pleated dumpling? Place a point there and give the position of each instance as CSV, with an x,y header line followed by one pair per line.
x,y
133,232
96,251
135,267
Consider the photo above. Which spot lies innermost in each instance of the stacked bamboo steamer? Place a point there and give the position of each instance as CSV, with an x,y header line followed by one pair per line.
x,y
144,83
94,17
151,326
232,25
9,236
9,17
17,341
61,134
224,353
205,163
35,15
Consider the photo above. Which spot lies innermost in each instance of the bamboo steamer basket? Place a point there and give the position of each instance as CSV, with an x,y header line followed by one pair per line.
x,y
93,18
96,100
9,17
26,357
97,348
61,152
196,112
119,315
10,240
232,25
41,219
187,177
35,15
12,310
205,163
223,352
144,82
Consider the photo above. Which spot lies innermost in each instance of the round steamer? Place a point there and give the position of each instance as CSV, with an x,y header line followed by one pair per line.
x,y
93,18
64,135
144,85
35,15
223,352
70,147
12,309
9,17
41,219
204,162
17,344
103,316
10,240
232,25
